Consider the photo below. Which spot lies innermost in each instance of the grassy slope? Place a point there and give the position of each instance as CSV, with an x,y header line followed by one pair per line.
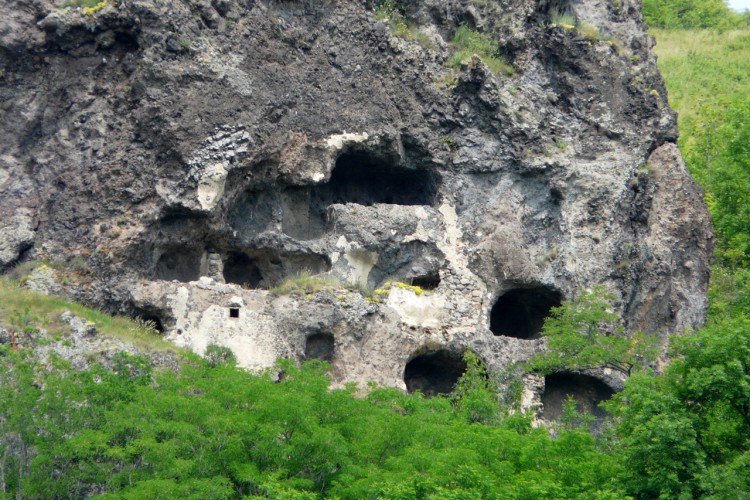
x,y
705,71
20,307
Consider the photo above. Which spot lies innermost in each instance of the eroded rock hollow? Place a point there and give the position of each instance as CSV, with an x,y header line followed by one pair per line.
x,y
195,154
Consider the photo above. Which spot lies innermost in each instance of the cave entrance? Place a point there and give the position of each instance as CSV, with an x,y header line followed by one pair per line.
x,y
520,313
320,346
179,264
434,373
149,318
587,391
266,267
363,179
242,270
427,282
356,178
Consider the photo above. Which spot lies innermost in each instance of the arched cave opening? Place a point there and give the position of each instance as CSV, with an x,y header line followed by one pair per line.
x,y
155,321
242,270
267,267
587,391
434,373
320,346
520,313
179,264
149,318
364,179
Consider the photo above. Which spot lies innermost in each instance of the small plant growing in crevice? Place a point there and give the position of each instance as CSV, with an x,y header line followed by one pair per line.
x,y
89,6
145,326
567,20
305,283
467,42
562,18
392,12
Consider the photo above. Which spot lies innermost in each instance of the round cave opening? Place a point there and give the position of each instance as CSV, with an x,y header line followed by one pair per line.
x,y
434,373
520,312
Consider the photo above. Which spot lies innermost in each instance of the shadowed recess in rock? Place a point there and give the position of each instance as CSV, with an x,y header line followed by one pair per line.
x,y
179,264
357,178
319,346
520,313
252,213
155,322
360,178
266,268
587,391
242,270
427,282
434,373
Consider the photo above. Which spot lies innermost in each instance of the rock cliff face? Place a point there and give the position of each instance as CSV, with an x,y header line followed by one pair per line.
x,y
189,155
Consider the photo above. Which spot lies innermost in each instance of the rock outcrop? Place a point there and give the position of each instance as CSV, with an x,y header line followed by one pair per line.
x,y
194,154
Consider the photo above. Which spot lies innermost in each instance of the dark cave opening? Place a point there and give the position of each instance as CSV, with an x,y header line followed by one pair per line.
x,y
587,391
156,322
127,41
363,179
434,373
266,267
320,346
179,264
520,313
242,270
427,282
148,318
357,178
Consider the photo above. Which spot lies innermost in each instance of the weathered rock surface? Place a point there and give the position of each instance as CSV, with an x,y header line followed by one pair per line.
x,y
183,149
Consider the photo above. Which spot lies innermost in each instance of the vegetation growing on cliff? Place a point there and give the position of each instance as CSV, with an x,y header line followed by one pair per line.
x,y
211,430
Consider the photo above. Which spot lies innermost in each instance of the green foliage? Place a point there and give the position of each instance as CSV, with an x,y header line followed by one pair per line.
x,y
392,11
690,14
688,431
212,430
474,395
466,43
29,311
582,333
81,3
218,355
305,283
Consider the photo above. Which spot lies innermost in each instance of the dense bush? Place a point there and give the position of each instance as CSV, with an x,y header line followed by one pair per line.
x,y
215,431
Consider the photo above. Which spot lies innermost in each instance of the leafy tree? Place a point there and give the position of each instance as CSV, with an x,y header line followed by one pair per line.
x,y
688,431
582,333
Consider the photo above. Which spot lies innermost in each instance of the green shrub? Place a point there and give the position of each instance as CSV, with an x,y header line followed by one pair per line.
x,y
467,42
392,12
305,283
